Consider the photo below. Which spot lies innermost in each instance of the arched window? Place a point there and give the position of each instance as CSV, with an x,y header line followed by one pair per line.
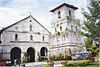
x,y
60,28
16,36
30,27
72,27
42,38
30,20
59,14
31,37
69,12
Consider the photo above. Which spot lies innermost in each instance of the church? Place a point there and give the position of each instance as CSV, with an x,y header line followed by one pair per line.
x,y
30,37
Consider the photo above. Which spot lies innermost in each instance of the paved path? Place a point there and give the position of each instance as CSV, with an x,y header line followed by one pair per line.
x,y
36,64
57,64
41,64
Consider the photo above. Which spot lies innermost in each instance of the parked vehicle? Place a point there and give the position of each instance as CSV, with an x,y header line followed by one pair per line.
x,y
75,56
84,55
81,56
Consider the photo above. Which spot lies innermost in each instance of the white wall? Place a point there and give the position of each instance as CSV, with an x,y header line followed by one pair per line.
x,y
24,42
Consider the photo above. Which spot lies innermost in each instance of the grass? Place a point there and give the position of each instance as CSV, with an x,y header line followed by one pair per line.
x,y
93,65
96,64
45,65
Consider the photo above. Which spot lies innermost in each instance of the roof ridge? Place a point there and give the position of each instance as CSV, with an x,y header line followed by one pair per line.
x,y
62,4
40,24
22,20
13,24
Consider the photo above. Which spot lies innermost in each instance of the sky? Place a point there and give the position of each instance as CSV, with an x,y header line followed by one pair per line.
x,y
12,11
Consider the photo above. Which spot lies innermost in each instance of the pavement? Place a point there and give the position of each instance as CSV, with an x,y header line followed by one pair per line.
x,y
41,64
58,64
35,64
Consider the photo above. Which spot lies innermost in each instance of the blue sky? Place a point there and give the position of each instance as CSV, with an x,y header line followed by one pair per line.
x,y
4,2
14,10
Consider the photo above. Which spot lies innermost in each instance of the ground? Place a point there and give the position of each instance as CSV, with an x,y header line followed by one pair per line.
x,y
56,64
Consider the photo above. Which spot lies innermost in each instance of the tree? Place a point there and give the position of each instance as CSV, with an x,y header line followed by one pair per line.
x,y
91,22
88,42
94,50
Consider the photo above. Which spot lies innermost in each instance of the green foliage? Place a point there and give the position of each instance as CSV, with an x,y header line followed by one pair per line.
x,y
42,58
92,65
54,57
61,57
89,49
91,22
45,65
88,42
68,57
58,57
24,59
77,21
93,49
97,50
77,63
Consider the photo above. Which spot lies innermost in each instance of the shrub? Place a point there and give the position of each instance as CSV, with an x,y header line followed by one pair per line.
x,y
42,58
54,57
61,57
67,57
57,57
94,50
77,63
89,49
24,59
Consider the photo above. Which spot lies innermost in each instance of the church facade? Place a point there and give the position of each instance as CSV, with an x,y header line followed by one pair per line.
x,y
28,36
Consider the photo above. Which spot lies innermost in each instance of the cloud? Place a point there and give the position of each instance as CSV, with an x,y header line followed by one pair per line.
x,y
13,10
8,16
24,4
16,10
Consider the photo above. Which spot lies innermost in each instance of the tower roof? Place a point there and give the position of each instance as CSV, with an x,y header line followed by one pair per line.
x,y
64,4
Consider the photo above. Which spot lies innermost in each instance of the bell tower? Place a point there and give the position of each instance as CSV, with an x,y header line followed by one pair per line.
x,y
65,37
62,15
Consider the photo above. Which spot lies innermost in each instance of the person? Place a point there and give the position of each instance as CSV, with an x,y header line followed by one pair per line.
x,y
15,61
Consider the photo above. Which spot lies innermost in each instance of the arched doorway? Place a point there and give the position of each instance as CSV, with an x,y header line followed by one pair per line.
x,y
31,54
15,54
43,51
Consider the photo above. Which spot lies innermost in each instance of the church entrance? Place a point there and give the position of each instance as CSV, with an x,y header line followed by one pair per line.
x,y
31,54
15,55
43,51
